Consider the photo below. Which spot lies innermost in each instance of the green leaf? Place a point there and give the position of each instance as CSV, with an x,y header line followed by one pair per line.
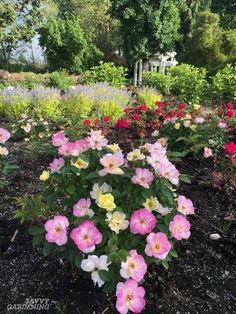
x,y
165,264
123,254
104,275
185,178
109,287
37,239
47,249
173,253
78,260
71,189
92,175
35,230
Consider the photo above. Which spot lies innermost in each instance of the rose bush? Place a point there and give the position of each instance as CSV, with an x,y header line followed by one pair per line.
x,y
112,213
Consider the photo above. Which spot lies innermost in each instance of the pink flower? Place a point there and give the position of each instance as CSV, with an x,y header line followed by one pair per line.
x,y
82,208
56,230
80,146
179,227
222,125
4,135
168,170
86,236
156,159
185,205
158,245
199,120
96,140
207,152
142,221
143,177
134,267
59,139
129,297
66,149
156,148
112,163
56,164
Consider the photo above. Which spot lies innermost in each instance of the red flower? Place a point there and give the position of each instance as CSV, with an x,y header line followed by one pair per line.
x,y
171,103
143,108
229,106
159,111
230,113
96,121
175,113
122,123
160,104
168,116
127,110
135,117
182,106
181,115
136,109
230,148
106,119
87,122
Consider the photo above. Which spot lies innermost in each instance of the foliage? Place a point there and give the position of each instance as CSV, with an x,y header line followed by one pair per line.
x,y
161,82
224,83
104,200
106,72
18,22
147,26
227,11
188,82
65,37
148,96
61,80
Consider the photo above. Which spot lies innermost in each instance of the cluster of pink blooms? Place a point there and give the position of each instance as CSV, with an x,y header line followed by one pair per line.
x,y
86,236
4,137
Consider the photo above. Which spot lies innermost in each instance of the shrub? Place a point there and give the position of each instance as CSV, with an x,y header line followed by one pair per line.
x,y
148,96
14,102
61,80
224,84
161,82
188,82
106,72
45,102
124,212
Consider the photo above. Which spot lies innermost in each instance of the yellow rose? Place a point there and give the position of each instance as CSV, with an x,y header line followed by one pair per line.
x,y
193,127
114,147
44,176
106,201
177,126
151,203
196,107
80,164
116,221
188,117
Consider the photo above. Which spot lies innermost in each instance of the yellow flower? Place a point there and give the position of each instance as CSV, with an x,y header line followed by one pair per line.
x,y
135,155
188,117
80,164
151,203
106,201
116,221
163,141
177,126
114,147
196,107
193,127
44,176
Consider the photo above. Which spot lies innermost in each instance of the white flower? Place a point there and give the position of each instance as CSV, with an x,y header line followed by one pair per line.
x,y
187,124
27,128
94,264
99,190
163,210
155,133
3,151
151,203
116,221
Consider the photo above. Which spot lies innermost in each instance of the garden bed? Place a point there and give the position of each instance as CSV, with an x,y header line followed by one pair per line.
x,y
201,280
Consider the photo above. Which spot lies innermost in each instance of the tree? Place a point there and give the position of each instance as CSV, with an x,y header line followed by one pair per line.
x,y
18,23
147,26
210,46
227,11
66,46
